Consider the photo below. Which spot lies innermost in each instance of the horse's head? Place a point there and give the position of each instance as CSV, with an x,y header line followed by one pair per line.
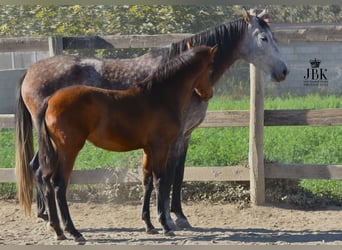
x,y
204,87
259,48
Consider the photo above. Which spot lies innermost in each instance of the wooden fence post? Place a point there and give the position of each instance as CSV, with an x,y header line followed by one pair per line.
x,y
256,138
56,45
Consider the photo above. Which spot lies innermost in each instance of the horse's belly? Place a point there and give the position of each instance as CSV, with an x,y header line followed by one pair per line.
x,y
117,145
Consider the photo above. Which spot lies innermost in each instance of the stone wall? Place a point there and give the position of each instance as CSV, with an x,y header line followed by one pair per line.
x,y
8,82
323,76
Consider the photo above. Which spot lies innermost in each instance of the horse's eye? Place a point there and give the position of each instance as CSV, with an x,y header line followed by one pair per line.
x,y
264,39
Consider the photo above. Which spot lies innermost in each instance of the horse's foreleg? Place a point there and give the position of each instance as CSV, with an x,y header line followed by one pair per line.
x,y
59,184
162,184
171,163
51,205
175,173
155,159
179,164
41,211
162,192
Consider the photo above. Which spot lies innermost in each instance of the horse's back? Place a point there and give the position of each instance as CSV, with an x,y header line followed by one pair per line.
x,y
49,68
79,113
49,74
74,109
46,76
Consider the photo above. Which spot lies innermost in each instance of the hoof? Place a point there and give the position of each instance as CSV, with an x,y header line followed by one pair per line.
x,y
45,217
61,237
182,223
80,239
49,227
171,224
169,233
152,231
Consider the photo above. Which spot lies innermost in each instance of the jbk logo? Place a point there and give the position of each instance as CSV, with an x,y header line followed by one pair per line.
x,y
315,75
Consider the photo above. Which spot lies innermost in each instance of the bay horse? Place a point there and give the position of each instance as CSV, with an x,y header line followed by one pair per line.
x,y
249,38
146,116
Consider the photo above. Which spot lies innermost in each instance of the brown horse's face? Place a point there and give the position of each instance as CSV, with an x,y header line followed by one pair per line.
x,y
204,87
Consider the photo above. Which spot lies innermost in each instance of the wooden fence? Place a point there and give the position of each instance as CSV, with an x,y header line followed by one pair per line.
x,y
256,118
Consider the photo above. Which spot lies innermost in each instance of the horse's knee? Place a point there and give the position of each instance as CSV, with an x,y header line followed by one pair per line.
x,y
59,183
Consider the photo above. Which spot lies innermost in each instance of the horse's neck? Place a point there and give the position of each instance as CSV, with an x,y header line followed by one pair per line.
x,y
221,66
180,90
228,50
227,37
122,73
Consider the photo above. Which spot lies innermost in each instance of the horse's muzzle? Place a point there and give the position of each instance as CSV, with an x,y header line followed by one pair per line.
x,y
280,72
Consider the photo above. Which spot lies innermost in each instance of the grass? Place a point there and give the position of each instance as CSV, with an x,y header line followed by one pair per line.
x,y
291,144
229,146
7,153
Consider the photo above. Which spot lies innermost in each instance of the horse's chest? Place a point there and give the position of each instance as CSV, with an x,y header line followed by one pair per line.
x,y
194,113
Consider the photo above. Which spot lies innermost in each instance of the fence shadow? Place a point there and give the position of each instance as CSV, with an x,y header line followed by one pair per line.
x,y
288,193
200,235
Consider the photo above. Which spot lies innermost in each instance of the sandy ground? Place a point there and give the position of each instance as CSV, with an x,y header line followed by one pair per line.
x,y
120,224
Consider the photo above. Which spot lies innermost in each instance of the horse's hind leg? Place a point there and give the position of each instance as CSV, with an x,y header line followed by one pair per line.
x,y
51,204
41,210
60,186
148,187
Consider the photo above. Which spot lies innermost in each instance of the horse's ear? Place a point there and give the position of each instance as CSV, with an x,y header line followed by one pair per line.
x,y
188,45
213,50
246,15
263,13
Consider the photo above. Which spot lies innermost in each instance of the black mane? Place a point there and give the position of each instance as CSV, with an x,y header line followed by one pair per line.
x,y
173,66
210,37
226,36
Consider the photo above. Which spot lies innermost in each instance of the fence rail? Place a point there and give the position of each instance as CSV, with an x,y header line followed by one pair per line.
x,y
212,173
240,118
256,118
216,119
284,34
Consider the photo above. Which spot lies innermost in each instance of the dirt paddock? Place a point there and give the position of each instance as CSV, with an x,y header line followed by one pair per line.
x,y
213,224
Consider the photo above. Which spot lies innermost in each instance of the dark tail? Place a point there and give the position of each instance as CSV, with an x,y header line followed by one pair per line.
x,y
24,152
47,153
